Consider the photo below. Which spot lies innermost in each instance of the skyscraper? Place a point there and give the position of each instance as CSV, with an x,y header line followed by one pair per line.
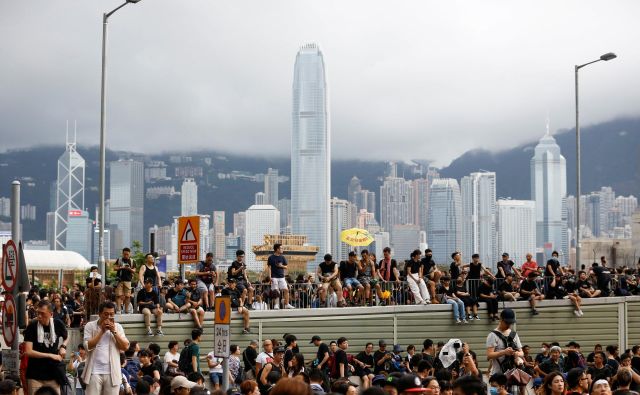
x,y
549,191
342,215
311,150
260,198
260,220
353,188
516,220
79,233
396,206
126,198
478,191
405,239
189,197
218,239
366,200
69,192
271,187
445,219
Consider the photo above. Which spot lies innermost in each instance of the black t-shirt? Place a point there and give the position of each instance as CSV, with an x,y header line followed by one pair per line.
x,y
194,294
276,272
505,287
507,267
414,266
249,356
144,296
454,271
365,358
485,289
234,294
555,265
549,366
603,277
635,363
450,292
377,356
584,285
475,270
235,265
528,286
327,268
323,349
44,368
382,268
122,274
341,357
427,265
148,370
348,269
597,374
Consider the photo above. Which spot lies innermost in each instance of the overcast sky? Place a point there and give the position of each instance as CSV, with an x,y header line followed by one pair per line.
x,y
408,79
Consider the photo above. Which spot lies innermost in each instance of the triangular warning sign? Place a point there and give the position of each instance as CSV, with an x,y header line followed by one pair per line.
x,y
188,235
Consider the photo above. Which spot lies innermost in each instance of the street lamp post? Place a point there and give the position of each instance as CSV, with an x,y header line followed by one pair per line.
x,y
606,57
105,18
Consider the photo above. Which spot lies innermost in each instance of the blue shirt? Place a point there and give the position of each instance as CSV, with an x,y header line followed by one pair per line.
x,y
276,272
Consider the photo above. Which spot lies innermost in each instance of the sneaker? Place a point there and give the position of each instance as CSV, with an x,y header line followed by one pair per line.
x,y
289,307
149,333
576,312
246,331
276,307
475,317
581,312
469,318
465,321
534,312
159,332
458,321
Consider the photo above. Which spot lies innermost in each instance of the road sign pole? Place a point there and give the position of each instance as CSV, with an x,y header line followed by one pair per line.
x,y
15,236
225,374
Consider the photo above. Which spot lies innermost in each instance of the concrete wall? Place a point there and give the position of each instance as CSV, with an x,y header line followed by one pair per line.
x,y
606,321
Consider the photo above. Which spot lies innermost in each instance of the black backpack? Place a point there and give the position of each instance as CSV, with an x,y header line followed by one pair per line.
x,y
509,361
185,363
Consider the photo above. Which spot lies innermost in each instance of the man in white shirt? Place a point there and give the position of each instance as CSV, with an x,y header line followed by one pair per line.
x,y
266,356
172,356
104,341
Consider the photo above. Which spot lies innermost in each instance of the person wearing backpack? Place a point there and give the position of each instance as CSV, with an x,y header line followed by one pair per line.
x,y
277,365
189,361
503,344
76,365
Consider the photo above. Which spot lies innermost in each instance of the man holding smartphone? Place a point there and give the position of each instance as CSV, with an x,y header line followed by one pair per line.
x,y
238,272
104,340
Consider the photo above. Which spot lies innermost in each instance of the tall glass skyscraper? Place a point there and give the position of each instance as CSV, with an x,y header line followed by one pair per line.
x,y
126,200
478,192
69,193
549,191
445,219
310,150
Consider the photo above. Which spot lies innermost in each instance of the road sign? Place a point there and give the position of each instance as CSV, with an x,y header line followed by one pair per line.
x,y
9,265
223,310
11,360
221,340
9,319
189,239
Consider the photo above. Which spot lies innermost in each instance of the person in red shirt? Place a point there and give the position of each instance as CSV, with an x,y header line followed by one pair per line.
x,y
529,266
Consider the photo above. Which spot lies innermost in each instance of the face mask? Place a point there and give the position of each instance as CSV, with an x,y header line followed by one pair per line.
x,y
493,391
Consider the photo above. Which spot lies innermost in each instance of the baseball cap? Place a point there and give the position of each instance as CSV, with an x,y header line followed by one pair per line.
x,y
505,254
381,342
508,316
397,348
181,382
410,383
279,349
379,380
314,338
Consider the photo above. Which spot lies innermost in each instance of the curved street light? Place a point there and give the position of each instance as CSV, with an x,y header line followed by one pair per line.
x,y
606,57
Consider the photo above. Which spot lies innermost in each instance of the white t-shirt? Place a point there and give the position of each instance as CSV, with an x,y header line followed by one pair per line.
x,y
259,305
498,345
102,360
169,357
264,358
218,368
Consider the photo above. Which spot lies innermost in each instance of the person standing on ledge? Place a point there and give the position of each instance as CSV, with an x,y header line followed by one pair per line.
x,y
277,265
104,341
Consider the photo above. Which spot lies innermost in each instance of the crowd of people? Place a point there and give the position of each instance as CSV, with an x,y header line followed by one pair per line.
x,y
361,280
108,363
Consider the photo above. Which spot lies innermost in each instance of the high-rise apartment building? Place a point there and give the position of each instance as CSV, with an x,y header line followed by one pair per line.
x,y
162,236
69,193
405,239
259,220
549,191
420,197
271,187
311,151
444,233
284,206
342,215
126,197
218,240
478,191
516,220
79,233
396,206
189,197
366,200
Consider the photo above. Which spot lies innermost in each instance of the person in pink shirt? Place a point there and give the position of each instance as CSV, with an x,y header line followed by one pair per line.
x,y
529,266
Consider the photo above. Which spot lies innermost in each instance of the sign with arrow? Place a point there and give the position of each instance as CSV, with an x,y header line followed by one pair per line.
x,y
189,239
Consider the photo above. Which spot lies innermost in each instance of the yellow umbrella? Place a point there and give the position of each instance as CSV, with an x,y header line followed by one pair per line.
x,y
356,237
